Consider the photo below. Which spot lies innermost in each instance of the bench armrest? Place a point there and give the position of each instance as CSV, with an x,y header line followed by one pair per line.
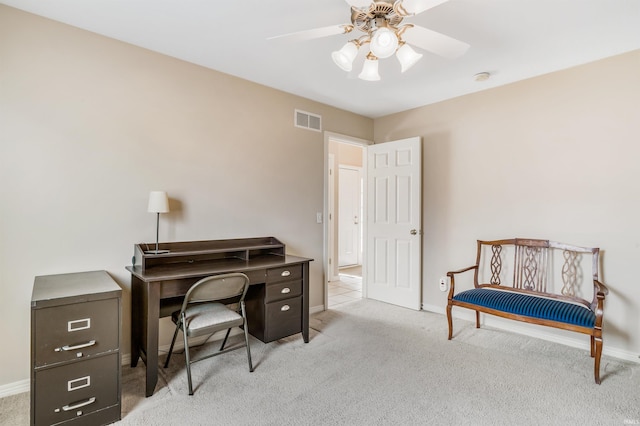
x,y
459,271
601,289
451,275
597,305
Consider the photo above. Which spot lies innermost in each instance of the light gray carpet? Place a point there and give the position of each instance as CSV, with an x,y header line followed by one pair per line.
x,y
369,363
14,410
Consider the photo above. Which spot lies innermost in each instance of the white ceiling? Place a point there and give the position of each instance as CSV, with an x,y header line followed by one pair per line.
x,y
511,39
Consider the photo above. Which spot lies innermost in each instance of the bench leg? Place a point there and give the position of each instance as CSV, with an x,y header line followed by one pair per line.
x,y
477,319
598,344
449,321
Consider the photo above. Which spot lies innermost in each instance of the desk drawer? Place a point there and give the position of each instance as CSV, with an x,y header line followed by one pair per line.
x,y
179,287
77,389
291,272
283,290
283,318
75,331
255,277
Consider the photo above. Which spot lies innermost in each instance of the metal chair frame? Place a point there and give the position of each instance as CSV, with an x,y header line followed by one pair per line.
x,y
206,296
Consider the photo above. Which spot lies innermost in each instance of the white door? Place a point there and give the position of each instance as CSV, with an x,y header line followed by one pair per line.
x,y
394,226
349,215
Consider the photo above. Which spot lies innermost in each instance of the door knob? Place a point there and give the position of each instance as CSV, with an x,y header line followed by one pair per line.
x,y
414,232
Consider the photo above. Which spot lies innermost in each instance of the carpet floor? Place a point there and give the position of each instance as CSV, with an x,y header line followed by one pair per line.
x,y
370,363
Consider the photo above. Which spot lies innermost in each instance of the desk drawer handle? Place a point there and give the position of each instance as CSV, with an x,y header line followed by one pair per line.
x,y
73,348
285,290
285,308
285,273
79,405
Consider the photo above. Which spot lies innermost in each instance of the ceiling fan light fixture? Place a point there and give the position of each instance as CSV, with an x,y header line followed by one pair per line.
x,y
380,24
384,42
413,7
407,57
409,7
344,57
370,69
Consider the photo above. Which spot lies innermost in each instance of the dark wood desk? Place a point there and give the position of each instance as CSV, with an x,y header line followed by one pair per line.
x,y
277,301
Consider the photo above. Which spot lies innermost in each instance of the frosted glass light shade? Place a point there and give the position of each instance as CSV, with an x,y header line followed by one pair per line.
x,y
407,57
384,42
345,56
370,70
158,202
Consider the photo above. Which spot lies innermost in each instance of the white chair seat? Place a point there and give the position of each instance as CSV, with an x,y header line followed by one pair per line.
x,y
207,318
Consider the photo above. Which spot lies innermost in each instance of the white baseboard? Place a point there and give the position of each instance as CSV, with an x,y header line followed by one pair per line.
x,y
15,388
533,331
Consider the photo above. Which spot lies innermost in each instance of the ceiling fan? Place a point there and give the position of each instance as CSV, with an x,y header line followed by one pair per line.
x,y
386,34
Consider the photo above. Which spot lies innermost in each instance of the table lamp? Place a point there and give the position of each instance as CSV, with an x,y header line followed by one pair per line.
x,y
158,203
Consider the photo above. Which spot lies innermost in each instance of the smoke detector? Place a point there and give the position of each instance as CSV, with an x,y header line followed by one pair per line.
x,y
482,76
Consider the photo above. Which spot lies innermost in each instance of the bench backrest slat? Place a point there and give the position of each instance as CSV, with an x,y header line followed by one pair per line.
x,y
556,270
531,268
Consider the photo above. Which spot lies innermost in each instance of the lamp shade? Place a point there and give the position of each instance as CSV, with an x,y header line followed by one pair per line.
x,y
407,57
158,202
384,42
370,70
345,56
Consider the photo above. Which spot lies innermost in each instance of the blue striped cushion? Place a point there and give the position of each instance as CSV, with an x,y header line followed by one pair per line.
x,y
529,306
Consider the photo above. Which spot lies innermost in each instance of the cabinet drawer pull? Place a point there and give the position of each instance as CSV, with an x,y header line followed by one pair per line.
x,y
285,308
285,273
285,290
73,348
79,405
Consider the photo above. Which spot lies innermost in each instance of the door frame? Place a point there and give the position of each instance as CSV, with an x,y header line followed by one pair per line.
x,y
328,225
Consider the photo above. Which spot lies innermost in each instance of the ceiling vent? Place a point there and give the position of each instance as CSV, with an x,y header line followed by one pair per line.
x,y
306,120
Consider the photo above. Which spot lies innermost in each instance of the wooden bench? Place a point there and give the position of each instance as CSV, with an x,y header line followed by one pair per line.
x,y
538,282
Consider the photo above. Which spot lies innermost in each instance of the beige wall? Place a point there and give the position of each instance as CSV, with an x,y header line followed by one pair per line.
x,y
554,157
350,155
90,125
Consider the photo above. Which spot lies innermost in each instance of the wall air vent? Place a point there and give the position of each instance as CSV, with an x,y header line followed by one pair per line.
x,y
306,120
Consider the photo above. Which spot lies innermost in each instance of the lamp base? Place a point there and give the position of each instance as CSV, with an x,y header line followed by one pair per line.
x,y
156,251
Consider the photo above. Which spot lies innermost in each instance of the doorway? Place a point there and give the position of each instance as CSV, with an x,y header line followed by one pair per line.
x,y
344,230
349,197
392,222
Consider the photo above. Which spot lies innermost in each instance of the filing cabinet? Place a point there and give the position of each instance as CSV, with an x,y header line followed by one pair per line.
x,y
274,310
75,349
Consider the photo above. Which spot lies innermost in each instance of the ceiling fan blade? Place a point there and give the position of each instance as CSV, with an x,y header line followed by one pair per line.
x,y
435,42
314,33
360,3
413,7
